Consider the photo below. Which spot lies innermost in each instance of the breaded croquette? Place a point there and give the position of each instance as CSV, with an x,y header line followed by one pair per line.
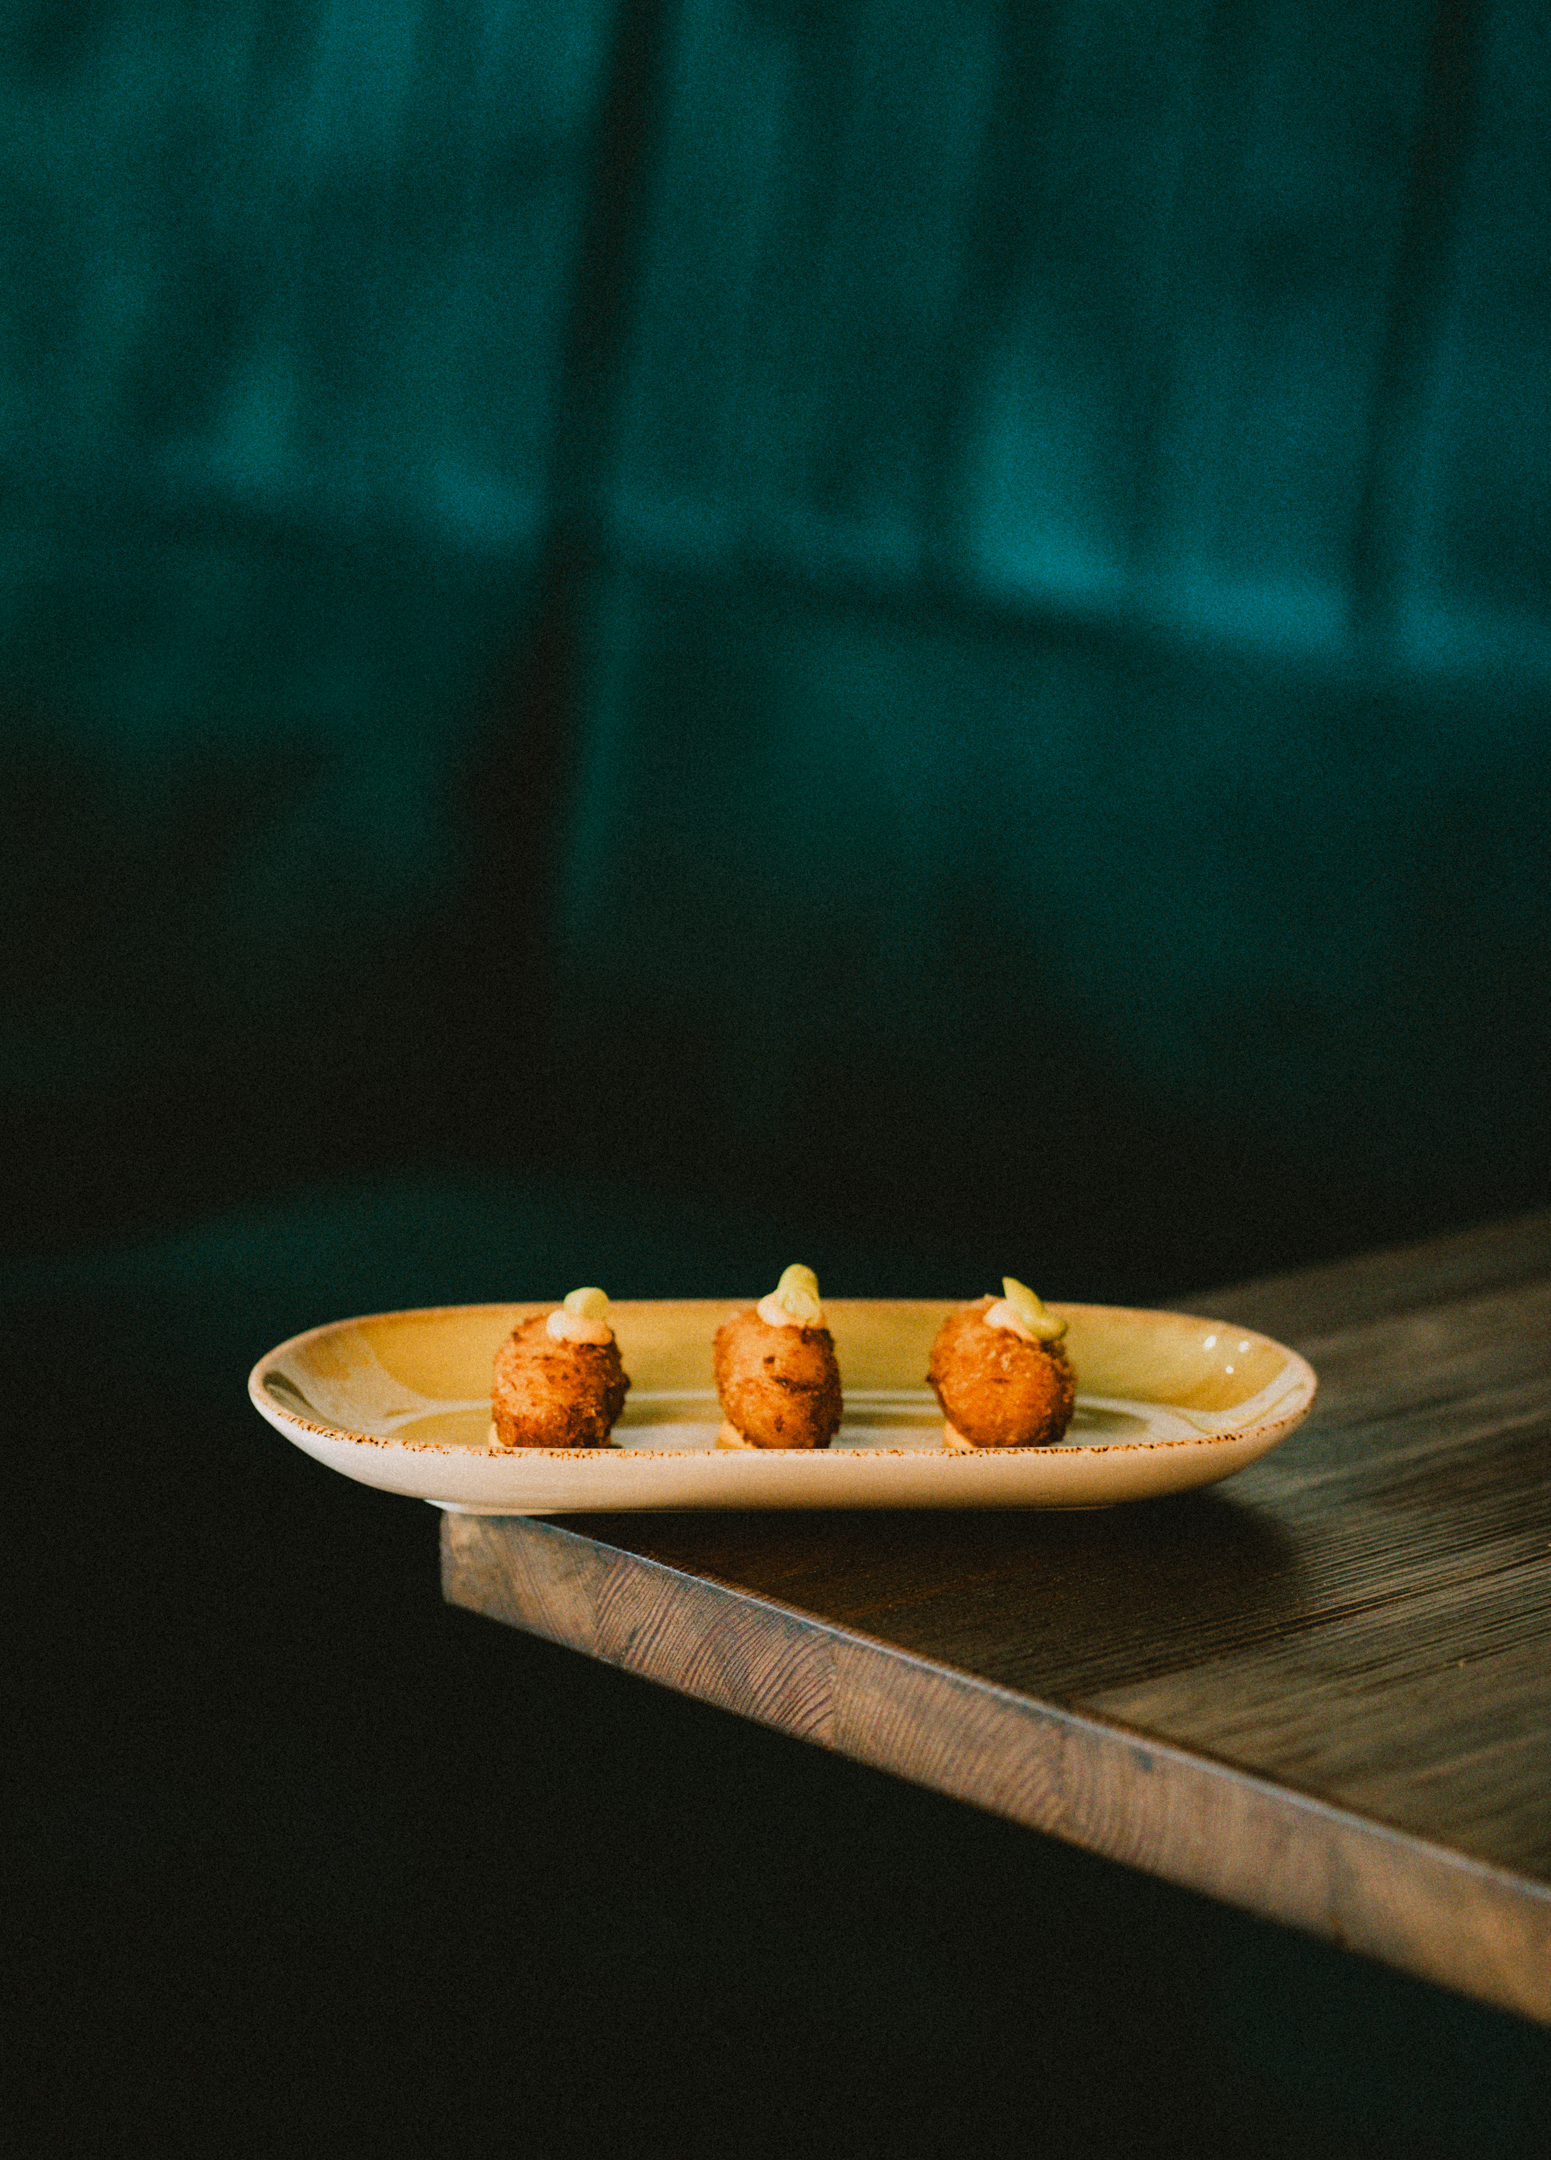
x,y
559,1379
776,1372
1000,1373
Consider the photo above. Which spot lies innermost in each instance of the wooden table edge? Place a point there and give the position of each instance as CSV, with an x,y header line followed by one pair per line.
x,y
1188,1818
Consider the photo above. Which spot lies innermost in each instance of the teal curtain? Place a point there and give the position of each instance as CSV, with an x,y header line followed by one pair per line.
x,y
789,591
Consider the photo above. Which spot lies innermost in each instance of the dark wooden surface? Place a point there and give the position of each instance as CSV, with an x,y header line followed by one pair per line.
x,y
1321,1690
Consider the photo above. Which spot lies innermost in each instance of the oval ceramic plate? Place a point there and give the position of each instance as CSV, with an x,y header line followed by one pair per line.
x,y
402,1401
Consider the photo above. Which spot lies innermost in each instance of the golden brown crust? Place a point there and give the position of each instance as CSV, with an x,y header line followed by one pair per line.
x,y
996,1388
555,1394
780,1386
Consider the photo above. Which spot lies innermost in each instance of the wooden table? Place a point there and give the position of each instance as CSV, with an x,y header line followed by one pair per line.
x,y
1320,1691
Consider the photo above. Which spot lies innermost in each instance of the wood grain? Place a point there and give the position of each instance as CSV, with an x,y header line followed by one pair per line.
x,y
1404,1279
1322,1691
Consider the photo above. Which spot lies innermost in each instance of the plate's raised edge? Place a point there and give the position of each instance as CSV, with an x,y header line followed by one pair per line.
x,y
277,1415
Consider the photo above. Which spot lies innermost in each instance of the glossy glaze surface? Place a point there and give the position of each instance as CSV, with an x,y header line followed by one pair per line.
x,y
401,1401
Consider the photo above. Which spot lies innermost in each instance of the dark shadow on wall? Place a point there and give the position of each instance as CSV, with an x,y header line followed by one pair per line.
x,y
818,941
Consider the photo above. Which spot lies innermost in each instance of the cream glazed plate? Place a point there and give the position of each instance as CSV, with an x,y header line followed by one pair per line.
x,y
402,1401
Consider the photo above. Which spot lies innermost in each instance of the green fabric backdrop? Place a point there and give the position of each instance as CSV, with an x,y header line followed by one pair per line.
x,y
899,573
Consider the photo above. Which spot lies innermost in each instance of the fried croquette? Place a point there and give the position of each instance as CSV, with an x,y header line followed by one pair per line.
x,y
559,1378
776,1372
1001,1375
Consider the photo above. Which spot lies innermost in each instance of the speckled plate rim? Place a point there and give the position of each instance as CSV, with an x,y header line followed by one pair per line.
x,y
543,1481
